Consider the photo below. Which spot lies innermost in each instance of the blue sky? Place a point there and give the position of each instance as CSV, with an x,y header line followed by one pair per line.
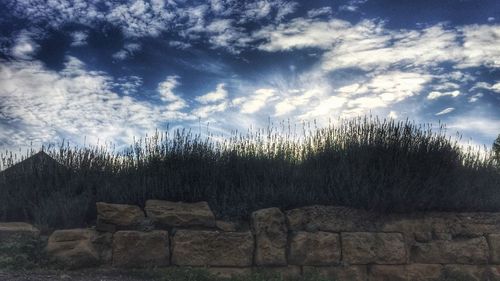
x,y
111,70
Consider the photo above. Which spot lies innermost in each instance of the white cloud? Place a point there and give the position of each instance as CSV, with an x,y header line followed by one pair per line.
x,y
24,46
389,87
368,45
255,102
446,86
219,94
474,125
207,110
326,108
298,99
352,5
79,38
46,106
257,9
371,47
319,12
128,50
481,46
467,46
301,33
445,111
165,89
128,85
349,89
179,44
487,86
140,18
435,95
393,114
223,34
475,97
367,102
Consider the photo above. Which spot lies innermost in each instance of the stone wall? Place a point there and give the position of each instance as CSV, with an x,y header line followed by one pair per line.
x,y
333,242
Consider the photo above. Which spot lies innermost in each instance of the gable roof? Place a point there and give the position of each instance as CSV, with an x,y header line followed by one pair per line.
x,y
38,162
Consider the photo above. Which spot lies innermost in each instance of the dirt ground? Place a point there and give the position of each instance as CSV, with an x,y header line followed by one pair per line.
x,y
81,275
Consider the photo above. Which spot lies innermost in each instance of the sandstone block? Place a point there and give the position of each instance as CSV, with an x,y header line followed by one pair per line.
x,y
494,241
17,230
424,272
456,224
180,214
119,215
319,248
103,242
226,225
140,249
331,219
467,273
372,247
494,273
338,273
73,248
423,236
270,232
387,273
463,251
212,248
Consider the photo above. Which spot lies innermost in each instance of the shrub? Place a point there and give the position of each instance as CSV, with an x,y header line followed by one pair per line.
x,y
20,252
379,165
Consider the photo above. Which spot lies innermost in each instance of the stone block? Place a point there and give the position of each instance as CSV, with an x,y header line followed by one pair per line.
x,y
461,251
180,214
331,219
494,243
318,248
270,231
212,248
117,216
138,249
73,248
373,247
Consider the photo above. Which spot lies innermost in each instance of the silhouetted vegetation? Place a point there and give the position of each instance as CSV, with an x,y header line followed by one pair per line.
x,y
365,163
496,150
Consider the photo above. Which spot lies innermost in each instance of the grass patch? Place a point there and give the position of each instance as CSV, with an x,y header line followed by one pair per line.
x,y
379,165
200,274
21,253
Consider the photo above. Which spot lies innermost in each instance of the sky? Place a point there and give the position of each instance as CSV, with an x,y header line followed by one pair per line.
x,y
98,71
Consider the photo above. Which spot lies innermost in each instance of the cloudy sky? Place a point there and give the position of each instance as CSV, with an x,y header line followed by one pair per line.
x,y
111,70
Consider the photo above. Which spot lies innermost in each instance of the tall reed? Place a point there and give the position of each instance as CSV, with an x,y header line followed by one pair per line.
x,y
380,165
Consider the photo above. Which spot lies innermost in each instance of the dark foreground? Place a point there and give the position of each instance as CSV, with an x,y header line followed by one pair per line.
x,y
81,275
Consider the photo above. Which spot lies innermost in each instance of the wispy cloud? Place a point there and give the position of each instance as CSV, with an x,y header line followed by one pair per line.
x,y
435,95
445,111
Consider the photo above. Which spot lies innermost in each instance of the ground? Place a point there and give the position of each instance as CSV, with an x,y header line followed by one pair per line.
x,y
80,275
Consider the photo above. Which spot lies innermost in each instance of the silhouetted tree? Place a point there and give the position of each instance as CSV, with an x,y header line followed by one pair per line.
x,y
496,150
